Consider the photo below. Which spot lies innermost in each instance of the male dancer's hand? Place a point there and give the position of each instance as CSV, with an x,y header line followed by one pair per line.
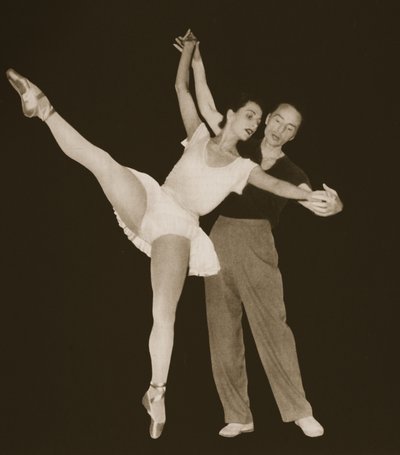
x,y
188,37
331,206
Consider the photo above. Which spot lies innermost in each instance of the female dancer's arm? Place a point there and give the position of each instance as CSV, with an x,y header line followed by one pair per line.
x,y
281,188
190,118
205,100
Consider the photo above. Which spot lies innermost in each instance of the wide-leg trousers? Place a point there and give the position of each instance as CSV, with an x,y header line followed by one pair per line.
x,y
249,278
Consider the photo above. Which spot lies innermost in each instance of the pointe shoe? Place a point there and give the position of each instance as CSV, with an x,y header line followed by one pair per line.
x,y
33,100
235,429
149,402
311,427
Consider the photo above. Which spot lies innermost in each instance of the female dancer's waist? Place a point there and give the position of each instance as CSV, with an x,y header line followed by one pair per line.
x,y
171,193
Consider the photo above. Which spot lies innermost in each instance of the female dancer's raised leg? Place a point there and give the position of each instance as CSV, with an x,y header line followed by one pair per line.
x,y
121,187
169,262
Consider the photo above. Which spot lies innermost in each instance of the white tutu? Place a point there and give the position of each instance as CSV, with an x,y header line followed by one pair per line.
x,y
165,216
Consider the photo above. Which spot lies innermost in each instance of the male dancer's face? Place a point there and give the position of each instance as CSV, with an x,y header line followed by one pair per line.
x,y
281,125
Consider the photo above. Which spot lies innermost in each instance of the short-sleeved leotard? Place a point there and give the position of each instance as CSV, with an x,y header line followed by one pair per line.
x,y
192,188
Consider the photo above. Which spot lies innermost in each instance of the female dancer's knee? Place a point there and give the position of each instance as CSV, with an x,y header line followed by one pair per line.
x,y
164,313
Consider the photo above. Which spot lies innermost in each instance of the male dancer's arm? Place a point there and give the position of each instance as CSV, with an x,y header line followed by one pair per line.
x,y
204,97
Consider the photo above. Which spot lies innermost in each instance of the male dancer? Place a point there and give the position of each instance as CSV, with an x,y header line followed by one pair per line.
x,y
242,236
250,276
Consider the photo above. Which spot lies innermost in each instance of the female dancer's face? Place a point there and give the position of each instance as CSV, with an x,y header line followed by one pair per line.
x,y
244,122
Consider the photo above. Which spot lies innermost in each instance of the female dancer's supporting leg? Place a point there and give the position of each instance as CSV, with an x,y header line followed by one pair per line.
x,y
169,261
170,253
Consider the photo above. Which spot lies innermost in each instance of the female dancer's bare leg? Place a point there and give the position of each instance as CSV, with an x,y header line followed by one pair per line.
x,y
169,262
122,188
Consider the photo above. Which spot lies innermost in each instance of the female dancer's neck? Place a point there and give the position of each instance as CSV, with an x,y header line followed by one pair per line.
x,y
226,142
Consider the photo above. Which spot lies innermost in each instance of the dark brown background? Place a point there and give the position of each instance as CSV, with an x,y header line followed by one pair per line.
x,y
75,311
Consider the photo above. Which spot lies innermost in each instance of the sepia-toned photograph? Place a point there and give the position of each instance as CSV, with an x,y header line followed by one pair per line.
x,y
199,225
